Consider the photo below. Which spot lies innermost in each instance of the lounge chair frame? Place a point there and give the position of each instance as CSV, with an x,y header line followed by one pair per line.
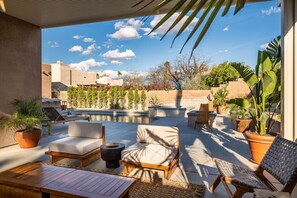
x,y
285,172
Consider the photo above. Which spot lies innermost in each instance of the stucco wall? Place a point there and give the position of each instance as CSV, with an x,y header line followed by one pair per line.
x,y
20,65
46,81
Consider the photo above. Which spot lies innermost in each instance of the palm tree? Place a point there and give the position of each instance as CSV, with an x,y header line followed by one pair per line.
x,y
189,9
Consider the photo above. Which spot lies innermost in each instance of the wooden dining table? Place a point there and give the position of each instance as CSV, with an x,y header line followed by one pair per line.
x,y
41,180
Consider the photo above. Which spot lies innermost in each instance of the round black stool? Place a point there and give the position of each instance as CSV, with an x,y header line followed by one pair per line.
x,y
111,153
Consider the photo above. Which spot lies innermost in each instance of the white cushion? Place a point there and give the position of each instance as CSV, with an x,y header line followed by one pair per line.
x,y
163,135
85,129
149,153
75,145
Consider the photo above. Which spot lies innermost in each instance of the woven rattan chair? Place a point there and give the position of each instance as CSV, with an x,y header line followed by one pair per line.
x,y
280,161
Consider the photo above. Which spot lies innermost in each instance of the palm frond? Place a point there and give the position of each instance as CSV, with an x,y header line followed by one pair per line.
x,y
192,9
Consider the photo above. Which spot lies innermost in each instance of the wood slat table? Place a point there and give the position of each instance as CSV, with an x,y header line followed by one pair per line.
x,y
40,180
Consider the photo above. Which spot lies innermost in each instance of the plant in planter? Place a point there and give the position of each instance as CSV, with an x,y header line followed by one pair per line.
x,y
26,120
239,112
219,99
265,85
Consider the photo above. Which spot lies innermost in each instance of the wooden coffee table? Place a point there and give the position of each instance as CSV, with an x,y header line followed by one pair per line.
x,y
40,180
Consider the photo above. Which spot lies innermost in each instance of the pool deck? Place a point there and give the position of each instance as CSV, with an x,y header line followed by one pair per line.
x,y
198,147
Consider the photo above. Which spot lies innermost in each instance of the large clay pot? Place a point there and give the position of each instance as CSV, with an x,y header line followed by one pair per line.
x,y
28,139
243,125
222,109
259,144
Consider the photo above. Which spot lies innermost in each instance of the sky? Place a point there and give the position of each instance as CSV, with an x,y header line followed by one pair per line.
x,y
123,45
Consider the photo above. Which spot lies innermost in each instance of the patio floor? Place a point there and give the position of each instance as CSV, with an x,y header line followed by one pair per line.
x,y
197,148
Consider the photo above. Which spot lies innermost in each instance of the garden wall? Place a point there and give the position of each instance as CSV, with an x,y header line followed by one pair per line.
x,y
188,98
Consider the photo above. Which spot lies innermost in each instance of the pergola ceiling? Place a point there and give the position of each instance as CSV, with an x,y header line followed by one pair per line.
x,y
54,13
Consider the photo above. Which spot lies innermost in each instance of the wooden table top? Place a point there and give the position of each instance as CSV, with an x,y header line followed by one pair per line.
x,y
66,181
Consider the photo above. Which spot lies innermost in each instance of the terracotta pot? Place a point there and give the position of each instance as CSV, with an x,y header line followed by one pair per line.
x,y
222,109
243,125
259,144
28,139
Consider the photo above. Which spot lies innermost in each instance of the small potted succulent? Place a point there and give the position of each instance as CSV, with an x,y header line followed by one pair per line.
x,y
239,112
219,100
26,121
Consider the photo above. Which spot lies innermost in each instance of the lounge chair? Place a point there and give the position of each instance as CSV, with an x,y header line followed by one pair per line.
x,y
83,143
54,118
280,161
157,147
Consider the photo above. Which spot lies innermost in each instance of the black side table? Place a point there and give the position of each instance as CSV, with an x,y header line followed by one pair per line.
x,y
111,153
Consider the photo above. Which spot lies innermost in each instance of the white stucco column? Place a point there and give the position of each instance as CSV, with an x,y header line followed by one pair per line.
x,y
289,70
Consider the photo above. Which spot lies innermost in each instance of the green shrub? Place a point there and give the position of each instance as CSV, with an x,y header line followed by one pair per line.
x,y
143,98
122,97
81,97
89,98
100,98
136,99
70,96
94,97
130,98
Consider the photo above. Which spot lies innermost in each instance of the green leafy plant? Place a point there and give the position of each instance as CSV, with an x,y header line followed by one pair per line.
x,y
27,117
143,98
89,97
70,94
239,108
100,98
130,98
94,97
81,97
136,99
122,97
220,96
264,84
105,98
154,101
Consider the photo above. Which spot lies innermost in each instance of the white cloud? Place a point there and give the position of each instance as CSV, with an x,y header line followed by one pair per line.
x,y
115,62
271,10
76,48
224,51
87,64
114,74
78,37
107,44
116,54
163,28
89,40
89,49
53,44
264,46
125,33
126,30
226,29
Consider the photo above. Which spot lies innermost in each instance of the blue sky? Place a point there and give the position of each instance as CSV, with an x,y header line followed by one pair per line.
x,y
122,45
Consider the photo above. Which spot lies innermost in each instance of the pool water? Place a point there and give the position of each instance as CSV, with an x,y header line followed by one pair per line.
x,y
141,119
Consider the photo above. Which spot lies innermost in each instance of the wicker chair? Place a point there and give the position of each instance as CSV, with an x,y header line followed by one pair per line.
x,y
280,161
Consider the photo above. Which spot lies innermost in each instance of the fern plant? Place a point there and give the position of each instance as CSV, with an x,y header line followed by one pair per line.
x,y
27,117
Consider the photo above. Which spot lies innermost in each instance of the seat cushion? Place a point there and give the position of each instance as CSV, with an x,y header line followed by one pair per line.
x,y
149,153
163,135
75,145
85,129
240,175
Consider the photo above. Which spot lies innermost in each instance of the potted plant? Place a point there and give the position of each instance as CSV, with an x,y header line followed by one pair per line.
x,y
219,100
26,120
265,85
239,112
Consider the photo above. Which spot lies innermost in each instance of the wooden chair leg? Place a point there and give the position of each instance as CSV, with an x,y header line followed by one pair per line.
x,y
54,159
238,193
215,184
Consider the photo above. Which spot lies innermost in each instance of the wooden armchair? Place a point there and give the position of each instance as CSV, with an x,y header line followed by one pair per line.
x,y
280,161
157,148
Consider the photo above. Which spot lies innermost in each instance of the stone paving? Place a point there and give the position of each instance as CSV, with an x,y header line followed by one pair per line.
x,y
198,147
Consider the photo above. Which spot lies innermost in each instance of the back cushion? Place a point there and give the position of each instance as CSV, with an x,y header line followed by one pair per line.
x,y
85,129
163,135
